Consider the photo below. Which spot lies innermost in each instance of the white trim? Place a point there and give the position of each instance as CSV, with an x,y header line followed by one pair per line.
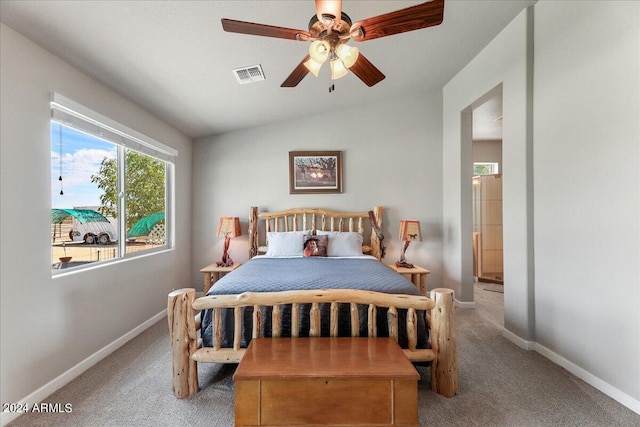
x,y
464,304
603,386
70,107
99,264
46,390
495,168
522,343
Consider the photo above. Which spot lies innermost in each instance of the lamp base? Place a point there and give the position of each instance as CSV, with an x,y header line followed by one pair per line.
x,y
227,263
404,264
226,259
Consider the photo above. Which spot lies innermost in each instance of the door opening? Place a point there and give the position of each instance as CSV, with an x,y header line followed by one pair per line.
x,y
488,268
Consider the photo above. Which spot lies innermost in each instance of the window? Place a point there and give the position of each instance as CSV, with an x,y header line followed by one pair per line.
x,y
111,189
485,168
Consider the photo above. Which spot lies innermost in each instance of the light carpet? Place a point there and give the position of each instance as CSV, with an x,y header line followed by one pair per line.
x,y
500,385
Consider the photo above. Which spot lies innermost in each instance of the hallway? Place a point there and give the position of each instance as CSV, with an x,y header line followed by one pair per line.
x,y
489,301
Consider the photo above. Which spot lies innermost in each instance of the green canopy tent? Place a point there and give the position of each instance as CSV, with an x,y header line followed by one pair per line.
x,y
144,226
95,226
83,215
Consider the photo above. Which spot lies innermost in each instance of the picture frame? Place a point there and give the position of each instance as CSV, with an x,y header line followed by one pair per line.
x,y
315,172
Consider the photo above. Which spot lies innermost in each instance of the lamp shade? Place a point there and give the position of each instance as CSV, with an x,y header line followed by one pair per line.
x,y
348,54
319,51
410,230
337,69
229,226
313,66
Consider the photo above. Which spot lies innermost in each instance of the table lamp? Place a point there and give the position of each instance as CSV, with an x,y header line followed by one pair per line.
x,y
409,231
228,227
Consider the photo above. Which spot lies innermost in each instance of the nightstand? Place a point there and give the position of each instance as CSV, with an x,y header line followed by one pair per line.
x,y
417,275
213,273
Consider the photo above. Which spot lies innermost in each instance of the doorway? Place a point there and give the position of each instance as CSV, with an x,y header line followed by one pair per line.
x,y
488,268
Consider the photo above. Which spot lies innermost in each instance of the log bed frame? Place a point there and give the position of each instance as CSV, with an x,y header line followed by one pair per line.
x,y
182,305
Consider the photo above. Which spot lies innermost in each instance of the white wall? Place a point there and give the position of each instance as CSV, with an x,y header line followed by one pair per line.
x,y
392,158
587,188
51,325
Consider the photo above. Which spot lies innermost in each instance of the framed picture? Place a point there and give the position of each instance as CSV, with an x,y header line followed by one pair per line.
x,y
315,172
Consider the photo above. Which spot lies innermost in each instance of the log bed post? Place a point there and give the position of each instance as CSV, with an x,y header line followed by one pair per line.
x,y
184,341
444,370
377,247
253,232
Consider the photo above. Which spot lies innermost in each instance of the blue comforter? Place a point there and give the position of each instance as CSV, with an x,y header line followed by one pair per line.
x,y
262,274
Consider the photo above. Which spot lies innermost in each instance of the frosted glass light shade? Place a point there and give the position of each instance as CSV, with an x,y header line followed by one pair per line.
x,y
348,54
337,69
313,66
319,51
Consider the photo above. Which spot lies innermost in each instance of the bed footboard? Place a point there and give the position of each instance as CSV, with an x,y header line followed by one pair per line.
x,y
183,327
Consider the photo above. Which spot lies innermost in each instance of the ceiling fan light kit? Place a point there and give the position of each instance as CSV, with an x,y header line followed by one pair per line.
x,y
347,54
338,69
329,31
313,66
319,51
342,56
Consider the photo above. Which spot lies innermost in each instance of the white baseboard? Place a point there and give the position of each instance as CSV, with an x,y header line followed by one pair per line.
x,y
46,390
606,388
589,378
464,304
520,342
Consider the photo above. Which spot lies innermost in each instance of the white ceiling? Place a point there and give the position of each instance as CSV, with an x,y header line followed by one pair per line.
x,y
173,59
487,119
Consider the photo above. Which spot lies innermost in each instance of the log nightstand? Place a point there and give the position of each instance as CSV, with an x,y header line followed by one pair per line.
x,y
417,275
213,273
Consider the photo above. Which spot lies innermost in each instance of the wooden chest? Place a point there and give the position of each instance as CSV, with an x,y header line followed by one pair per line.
x,y
325,381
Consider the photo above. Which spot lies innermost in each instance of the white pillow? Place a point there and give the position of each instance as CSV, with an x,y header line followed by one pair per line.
x,y
343,243
285,243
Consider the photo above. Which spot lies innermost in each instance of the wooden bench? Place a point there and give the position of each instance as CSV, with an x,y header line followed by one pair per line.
x,y
325,381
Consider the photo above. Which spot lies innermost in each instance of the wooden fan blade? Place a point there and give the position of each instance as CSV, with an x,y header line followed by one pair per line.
x,y
329,7
297,74
233,26
366,71
409,19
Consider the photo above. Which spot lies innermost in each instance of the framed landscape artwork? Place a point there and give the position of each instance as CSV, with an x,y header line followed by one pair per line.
x,y
315,172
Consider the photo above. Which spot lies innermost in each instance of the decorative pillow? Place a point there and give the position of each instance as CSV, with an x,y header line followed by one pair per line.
x,y
315,246
285,243
343,243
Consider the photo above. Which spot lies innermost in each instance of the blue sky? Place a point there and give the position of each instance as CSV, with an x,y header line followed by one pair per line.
x,y
81,158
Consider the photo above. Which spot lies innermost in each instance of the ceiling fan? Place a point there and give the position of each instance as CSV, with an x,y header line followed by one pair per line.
x,y
329,31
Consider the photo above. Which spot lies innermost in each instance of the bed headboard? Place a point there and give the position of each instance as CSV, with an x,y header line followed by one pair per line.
x,y
296,219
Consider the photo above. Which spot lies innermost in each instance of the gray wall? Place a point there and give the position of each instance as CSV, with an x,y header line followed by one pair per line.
x,y
572,185
52,329
392,158
488,150
587,189
504,62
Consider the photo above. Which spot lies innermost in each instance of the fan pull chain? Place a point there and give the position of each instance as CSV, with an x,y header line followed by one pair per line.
x,y
332,87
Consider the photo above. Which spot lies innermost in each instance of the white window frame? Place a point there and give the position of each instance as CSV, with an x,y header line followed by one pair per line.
x,y
70,113
495,167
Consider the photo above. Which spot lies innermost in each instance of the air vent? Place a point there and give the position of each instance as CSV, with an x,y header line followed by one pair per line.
x,y
250,74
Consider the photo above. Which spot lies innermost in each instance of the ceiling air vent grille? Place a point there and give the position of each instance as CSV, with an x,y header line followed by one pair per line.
x,y
250,74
